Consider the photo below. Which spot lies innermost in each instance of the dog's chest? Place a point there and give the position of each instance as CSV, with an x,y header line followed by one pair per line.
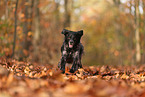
x,y
70,54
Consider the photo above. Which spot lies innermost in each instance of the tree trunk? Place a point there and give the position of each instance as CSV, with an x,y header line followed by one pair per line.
x,y
24,44
67,17
143,56
29,27
131,35
137,37
36,37
57,16
6,14
31,15
14,42
25,26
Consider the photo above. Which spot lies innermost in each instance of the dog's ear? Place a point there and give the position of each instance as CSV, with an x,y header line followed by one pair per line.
x,y
80,32
64,31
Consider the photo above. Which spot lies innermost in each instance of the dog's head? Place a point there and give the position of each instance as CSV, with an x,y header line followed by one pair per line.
x,y
72,38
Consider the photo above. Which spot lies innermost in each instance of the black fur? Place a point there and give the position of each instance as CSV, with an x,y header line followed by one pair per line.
x,y
71,50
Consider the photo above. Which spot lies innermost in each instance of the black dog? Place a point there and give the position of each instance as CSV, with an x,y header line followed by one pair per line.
x,y
71,50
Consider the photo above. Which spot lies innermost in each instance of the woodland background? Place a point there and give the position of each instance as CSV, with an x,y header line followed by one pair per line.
x,y
114,30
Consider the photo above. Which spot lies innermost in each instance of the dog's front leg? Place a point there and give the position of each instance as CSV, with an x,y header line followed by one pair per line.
x,y
75,62
63,61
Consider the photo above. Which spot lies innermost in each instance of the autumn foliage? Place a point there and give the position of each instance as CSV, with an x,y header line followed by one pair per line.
x,y
24,79
30,43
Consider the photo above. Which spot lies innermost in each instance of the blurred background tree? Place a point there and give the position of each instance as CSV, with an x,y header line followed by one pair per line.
x,y
114,30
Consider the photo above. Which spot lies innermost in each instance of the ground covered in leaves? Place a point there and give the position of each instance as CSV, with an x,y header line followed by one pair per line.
x,y
24,79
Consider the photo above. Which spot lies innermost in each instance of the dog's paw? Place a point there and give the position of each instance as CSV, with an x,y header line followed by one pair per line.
x,y
72,71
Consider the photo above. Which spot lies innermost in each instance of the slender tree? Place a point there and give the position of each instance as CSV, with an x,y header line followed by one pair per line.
x,y
14,42
67,14
31,15
137,37
143,29
37,29
6,13
57,15
25,26
25,43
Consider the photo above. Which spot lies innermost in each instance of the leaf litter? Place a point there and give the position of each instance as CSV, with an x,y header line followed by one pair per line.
x,y
24,79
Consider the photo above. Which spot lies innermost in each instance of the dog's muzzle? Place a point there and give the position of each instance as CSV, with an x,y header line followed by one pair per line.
x,y
71,42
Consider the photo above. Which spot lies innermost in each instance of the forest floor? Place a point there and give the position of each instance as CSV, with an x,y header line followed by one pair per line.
x,y
24,79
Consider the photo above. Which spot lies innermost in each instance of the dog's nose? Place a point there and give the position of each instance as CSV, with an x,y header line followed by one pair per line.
x,y
71,41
